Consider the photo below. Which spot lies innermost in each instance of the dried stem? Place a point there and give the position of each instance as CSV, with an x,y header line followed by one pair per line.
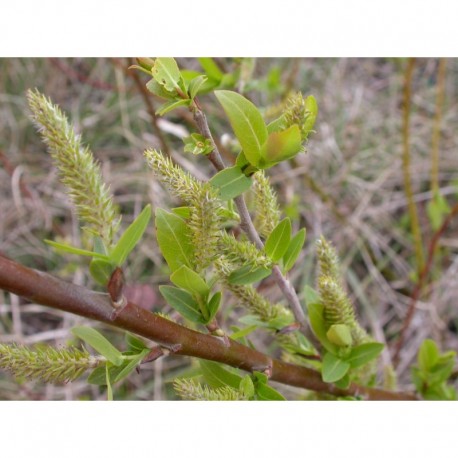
x,y
437,125
414,222
45,289
421,282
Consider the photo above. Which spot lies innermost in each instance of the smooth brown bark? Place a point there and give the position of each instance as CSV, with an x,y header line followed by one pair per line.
x,y
48,290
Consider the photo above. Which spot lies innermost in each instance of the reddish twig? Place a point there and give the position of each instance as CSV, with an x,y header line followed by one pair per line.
x,y
78,76
45,289
421,282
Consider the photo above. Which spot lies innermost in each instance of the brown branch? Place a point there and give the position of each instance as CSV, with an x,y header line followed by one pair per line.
x,y
45,289
422,281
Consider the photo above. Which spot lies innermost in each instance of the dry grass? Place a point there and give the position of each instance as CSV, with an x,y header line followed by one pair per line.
x,y
348,187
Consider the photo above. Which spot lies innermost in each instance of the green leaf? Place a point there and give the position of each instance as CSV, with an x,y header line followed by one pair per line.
x,y
166,72
131,365
312,107
182,212
364,353
276,125
333,368
196,84
173,239
197,144
428,355
294,249
264,392
130,237
241,333
190,281
157,89
211,68
278,241
101,270
340,335
108,381
183,303
247,123
245,275
74,250
231,182
437,209
98,375
280,146
247,387
99,343
216,375
171,105
213,305
318,324
134,343
276,323
343,383
311,295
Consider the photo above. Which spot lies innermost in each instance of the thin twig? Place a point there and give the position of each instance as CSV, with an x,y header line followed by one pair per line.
x,y
414,222
45,289
441,72
146,96
423,276
247,225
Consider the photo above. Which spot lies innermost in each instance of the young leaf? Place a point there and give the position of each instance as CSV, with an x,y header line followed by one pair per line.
x,y
166,72
340,335
130,237
231,182
294,249
134,343
245,275
278,241
98,375
280,146
333,368
173,239
343,383
183,303
213,305
310,295
74,250
247,387
108,381
101,270
182,212
99,343
216,375
131,365
315,310
247,123
190,281
264,392
195,84
312,107
157,89
169,106
241,333
364,353
211,68
428,355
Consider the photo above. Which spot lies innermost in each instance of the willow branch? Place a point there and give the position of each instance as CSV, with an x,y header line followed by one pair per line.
x,y
48,290
422,282
247,226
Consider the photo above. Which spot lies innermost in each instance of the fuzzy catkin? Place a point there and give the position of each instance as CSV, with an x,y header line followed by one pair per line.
x,y
77,169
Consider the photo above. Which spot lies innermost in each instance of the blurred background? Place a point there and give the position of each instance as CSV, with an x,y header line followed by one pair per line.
x,y
351,185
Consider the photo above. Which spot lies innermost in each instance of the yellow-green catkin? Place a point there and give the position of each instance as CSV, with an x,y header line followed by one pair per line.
x,y
266,205
46,363
337,307
191,390
202,199
77,169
